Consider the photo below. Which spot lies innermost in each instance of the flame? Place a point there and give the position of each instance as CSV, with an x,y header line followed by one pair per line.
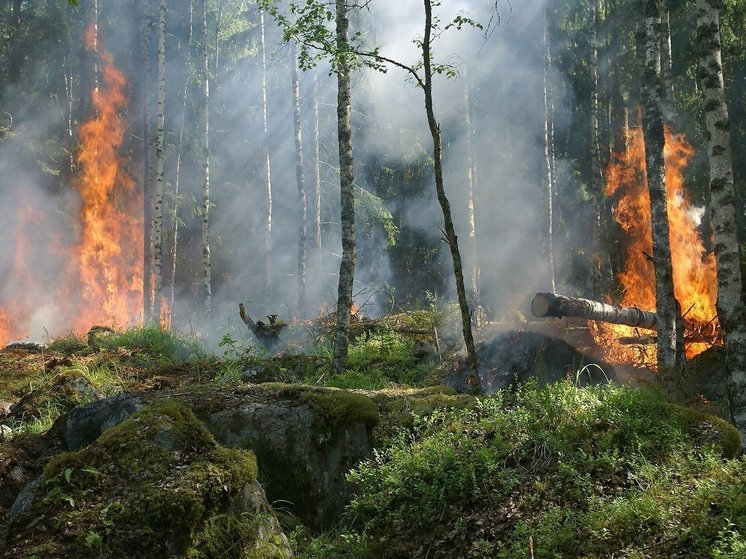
x,y
101,278
694,275
109,254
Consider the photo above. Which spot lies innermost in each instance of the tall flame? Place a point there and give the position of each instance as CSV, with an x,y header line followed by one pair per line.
x,y
109,254
694,275
100,279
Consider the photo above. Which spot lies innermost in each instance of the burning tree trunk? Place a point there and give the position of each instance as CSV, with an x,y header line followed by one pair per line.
x,y
595,151
206,291
159,171
302,226
346,189
553,305
722,191
671,360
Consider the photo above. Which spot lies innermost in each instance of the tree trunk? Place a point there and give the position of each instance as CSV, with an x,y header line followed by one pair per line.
x,y
471,181
597,177
666,63
316,169
177,170
15,54
723,208
346,189
302,224
148,164
450,232
267,171
159,165
671,360
558,306
206,291
548,167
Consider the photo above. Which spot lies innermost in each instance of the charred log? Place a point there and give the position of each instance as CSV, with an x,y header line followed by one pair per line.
x,y
268,333
551,304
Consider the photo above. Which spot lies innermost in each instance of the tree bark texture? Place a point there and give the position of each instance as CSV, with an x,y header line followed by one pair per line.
x,y
597,178
316,168
666,63
445,205
723,207
159,166
671,359
558,306
206,284
346,189
301,183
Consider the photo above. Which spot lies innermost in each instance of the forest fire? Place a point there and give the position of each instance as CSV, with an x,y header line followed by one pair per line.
x,y
695,280
100,274
109,255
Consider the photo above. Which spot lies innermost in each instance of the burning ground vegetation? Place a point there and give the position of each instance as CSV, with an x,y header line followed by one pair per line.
x,y
192,442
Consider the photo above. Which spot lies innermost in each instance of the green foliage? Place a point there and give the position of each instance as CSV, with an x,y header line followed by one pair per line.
x,y
583,472
69,345
152,344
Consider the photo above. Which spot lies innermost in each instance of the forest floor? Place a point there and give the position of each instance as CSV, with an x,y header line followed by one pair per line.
x,y
529,471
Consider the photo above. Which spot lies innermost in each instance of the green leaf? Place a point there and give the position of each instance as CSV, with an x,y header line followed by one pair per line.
x,y
68,474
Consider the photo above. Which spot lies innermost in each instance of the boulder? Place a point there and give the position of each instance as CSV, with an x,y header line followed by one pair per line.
x,y
305,439
157,485
513,357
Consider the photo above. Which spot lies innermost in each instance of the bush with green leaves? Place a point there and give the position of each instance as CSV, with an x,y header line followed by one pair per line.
x,y
578,473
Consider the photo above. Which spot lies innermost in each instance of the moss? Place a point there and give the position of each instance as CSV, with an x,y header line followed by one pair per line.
x,y
149,487
707,429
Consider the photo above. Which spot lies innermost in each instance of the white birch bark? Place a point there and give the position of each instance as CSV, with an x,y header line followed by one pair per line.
x,y
723,198
159,166
206,280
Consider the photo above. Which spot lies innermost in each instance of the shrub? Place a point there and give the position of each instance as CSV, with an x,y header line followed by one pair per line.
x,y
578,472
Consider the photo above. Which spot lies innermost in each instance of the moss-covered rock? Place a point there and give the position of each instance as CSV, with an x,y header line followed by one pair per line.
x,y
157,485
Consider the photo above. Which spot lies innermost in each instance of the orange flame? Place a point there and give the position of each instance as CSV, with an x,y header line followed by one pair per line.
x,y
695,280
109,254
102,278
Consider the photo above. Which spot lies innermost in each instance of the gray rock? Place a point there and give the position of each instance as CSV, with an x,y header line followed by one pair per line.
x,y
512,358
24,501
5,409
84,424
297,465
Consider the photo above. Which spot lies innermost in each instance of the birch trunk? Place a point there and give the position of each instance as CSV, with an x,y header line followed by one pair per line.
x,y
148,163
666,63
159,155
671,360
267,171
316,168
597,178
548,167
450,232
470,213
346,189
206,283
723,208
177,170
302,225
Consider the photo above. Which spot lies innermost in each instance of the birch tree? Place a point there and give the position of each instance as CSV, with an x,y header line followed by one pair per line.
x,y
723,209
301,183
671,360
267,164
146,38
206,283
159,167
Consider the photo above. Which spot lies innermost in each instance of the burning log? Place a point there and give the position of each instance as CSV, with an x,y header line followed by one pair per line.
x,y
551,304
268,333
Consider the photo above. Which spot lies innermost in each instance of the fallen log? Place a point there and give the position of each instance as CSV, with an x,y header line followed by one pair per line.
x,y
552,304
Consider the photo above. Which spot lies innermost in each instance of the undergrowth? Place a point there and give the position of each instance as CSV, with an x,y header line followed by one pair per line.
x,y
578,473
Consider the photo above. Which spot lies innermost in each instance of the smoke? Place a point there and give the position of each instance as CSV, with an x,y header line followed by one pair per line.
x,y
503,72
